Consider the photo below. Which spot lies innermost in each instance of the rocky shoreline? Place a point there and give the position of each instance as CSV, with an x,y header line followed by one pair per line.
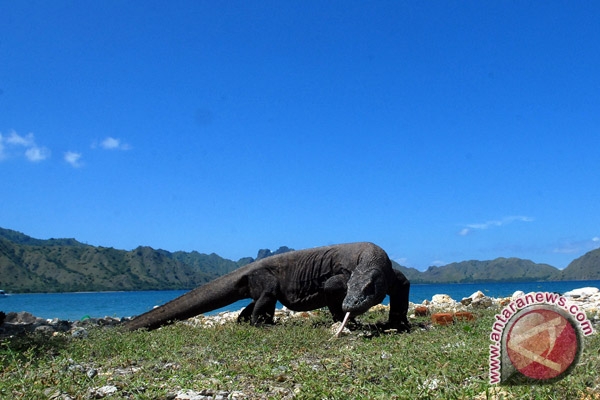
x,y
13,323
18,323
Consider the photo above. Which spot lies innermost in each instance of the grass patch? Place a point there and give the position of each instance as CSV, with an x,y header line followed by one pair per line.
x,y
292,359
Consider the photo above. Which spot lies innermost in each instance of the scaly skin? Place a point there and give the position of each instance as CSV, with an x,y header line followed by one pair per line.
x,y
344,278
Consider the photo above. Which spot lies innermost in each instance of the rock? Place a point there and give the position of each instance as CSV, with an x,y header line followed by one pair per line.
x,y
170,365
482,302
430,384
336,326
379,307
477,295
60,325
421,311
442,318
91,373
79,333
46,329
55,394
582,292
466,301
75,367
102,392
442,299
587,298
504,302
280,392
24,322
23,318
443,303
106,321
187,395
463,316
517,294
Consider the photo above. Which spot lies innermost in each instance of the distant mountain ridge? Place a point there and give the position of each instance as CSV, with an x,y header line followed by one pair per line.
x,y
585,267
498,270
20,238
65,265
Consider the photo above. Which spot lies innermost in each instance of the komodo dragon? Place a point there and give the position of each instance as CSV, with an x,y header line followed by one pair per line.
x,y
345,278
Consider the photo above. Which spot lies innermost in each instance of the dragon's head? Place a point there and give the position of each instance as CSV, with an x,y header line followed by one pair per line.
x,y
366,288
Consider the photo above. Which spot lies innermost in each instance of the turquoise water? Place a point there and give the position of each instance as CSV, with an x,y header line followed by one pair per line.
x,y
73,306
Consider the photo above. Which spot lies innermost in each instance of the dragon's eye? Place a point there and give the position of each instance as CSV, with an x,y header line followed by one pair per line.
x,y
369,288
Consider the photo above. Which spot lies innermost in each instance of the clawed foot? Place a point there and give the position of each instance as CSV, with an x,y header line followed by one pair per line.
x,y
401,327
380,328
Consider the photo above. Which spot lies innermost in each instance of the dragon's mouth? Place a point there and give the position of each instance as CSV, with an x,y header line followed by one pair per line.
x,y
359,305
364,291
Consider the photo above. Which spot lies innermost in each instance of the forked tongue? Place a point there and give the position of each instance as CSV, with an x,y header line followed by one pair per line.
x,y
344,322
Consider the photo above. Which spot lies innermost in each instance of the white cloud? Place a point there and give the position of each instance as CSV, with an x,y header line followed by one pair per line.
x,y
36,154
111,143
16,145
73,158
18,140
494,223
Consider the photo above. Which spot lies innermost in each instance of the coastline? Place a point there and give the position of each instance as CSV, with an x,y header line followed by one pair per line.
x,y
14,323
413,284
75,305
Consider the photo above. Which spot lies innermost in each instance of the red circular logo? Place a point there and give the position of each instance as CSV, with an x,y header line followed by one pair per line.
x,y
542,344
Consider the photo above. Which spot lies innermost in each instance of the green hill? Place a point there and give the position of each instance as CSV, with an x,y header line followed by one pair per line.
x,y
498,270
65,265
20,238
583,268
211,264
26,268
412,274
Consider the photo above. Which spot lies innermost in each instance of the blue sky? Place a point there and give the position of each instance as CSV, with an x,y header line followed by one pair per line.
x,y
441,131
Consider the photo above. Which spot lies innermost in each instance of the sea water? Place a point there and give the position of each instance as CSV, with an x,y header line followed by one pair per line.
x,y
74,306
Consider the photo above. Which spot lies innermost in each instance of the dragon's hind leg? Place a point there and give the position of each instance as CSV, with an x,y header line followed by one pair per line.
x,y
264,310
253,314
246,314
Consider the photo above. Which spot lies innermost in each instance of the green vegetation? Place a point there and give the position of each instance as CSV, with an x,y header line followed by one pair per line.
x,y
44,268
585,267
497,270
66,265
295,358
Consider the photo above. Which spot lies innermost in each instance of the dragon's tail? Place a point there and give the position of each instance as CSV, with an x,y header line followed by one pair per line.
x,y
211,296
